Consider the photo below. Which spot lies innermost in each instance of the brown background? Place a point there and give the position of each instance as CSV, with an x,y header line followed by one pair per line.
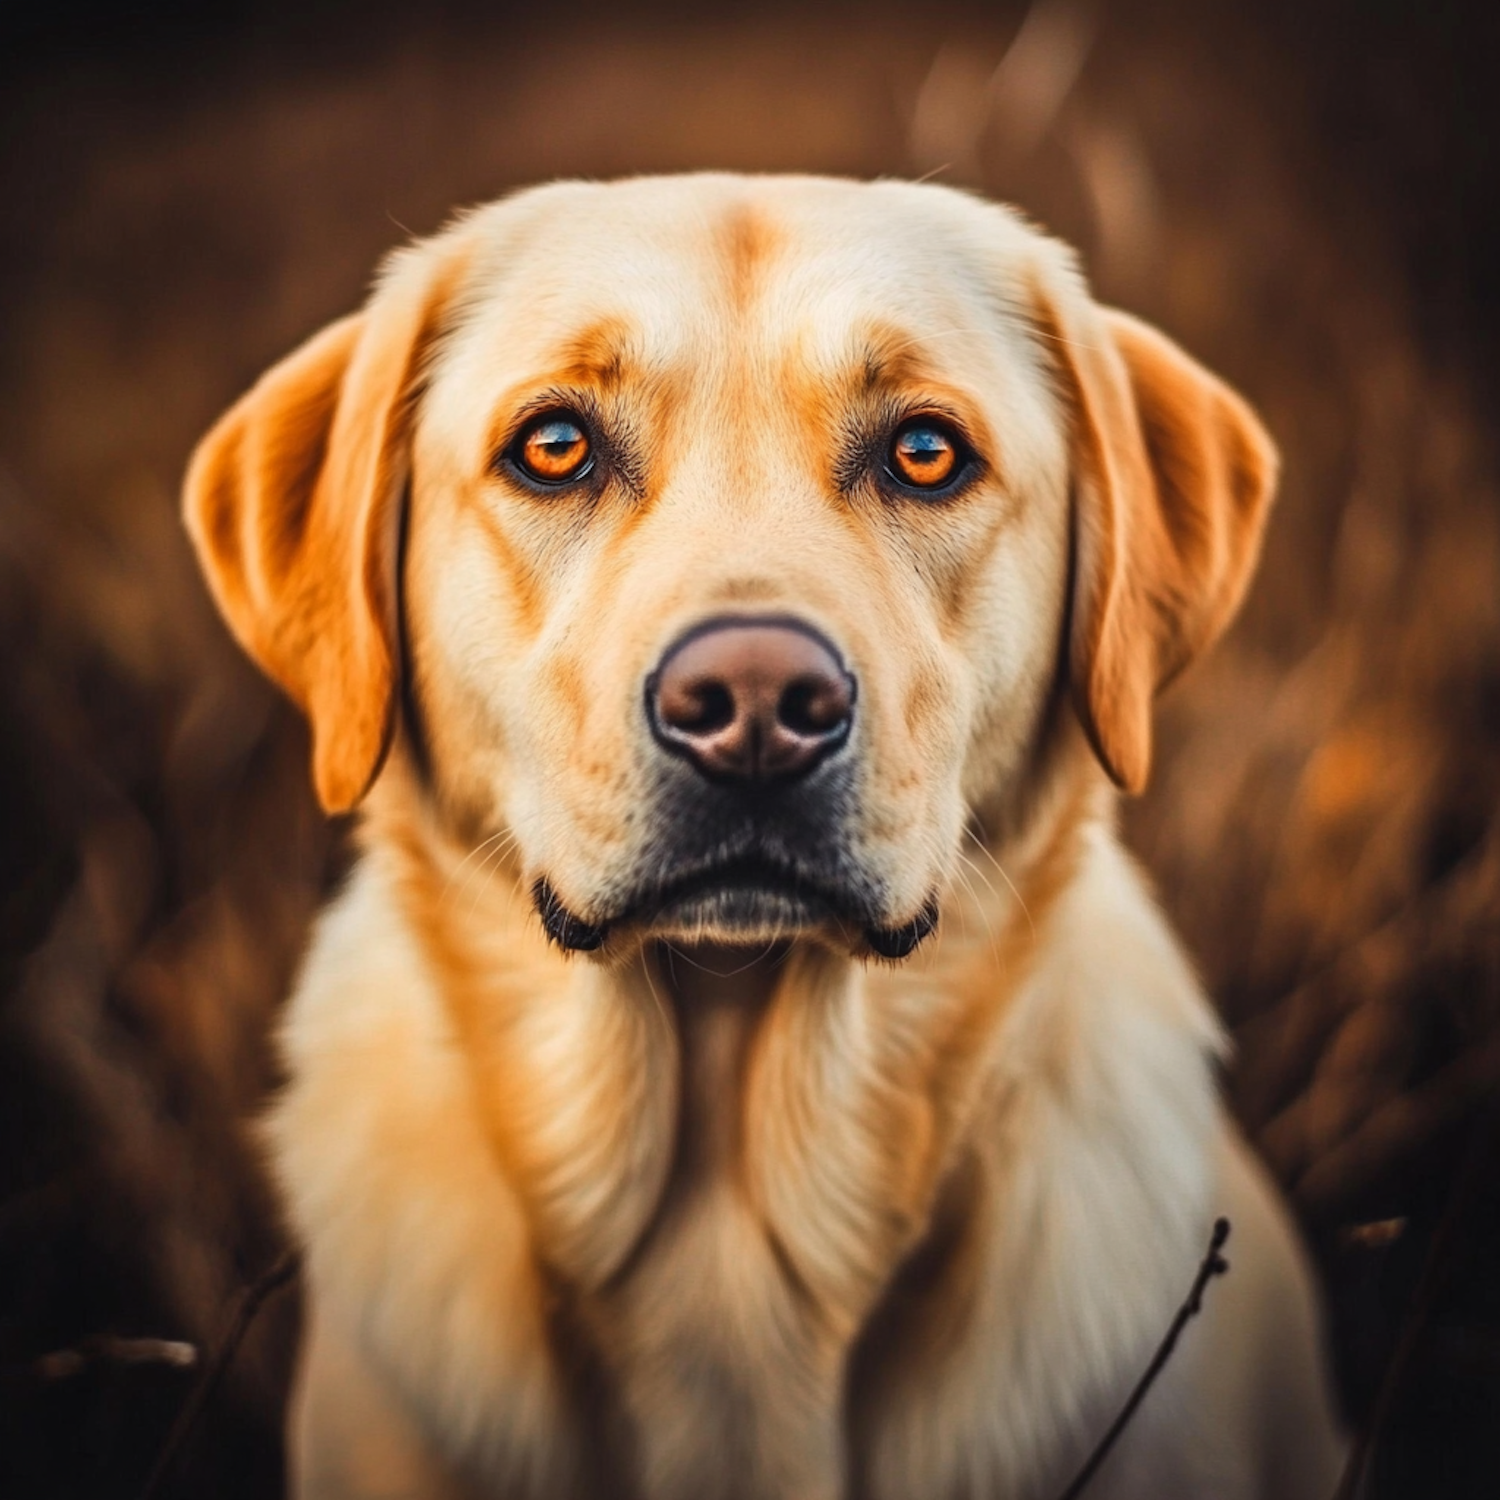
x,y
1305,195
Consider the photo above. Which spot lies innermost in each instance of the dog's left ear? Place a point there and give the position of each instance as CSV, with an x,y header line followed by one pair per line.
x,y
294,503
1173,475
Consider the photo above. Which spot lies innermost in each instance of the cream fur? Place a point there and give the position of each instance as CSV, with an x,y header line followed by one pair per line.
x,y
1100,1156
738,1216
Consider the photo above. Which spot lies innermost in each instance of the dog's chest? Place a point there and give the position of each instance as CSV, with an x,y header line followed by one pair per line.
x,y
721,1189
723,1231
724,1371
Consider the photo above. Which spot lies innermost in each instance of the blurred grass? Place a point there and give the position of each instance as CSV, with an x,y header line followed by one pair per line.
x,y
1322,824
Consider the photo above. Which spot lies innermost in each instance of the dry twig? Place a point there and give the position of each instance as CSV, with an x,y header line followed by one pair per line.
x,y
1213,1265
252,1299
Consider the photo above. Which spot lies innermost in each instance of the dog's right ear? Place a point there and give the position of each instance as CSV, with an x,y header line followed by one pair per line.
x,y
294,503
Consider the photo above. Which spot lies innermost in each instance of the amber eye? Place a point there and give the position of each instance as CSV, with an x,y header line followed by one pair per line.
x,y
553,449
924,455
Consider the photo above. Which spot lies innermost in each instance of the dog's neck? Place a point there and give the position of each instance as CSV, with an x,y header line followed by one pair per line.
x,y
727,1163
711,976
719,997
669,1070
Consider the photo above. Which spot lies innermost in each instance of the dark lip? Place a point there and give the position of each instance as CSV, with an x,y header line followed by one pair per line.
x,y
795,901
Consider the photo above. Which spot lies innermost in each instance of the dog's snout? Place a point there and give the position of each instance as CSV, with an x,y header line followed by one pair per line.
x,y
751,700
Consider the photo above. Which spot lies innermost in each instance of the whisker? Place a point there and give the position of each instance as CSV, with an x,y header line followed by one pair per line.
x,y
750,963
483,844
487,866
963,918
984,849
983,906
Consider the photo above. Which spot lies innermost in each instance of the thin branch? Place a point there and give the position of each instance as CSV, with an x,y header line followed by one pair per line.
x,y
106,1349
252,1299
1213,1265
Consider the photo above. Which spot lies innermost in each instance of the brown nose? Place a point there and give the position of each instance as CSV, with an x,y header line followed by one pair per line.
x,y
751,700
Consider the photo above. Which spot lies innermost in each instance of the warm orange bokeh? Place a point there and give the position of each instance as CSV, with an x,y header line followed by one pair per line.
x,y
1322,820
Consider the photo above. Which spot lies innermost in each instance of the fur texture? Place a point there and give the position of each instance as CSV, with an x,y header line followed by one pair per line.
x,y
725,1209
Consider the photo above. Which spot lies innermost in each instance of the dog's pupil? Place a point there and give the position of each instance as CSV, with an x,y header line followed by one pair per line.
x,y
556,445
925,453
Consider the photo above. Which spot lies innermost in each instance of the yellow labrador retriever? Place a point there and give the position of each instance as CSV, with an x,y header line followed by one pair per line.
x,y
744,1064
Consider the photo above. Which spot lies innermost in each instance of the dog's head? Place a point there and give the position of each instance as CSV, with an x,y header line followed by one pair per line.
x,y
730,541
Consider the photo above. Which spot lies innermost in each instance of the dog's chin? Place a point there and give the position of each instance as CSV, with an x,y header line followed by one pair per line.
x,y
743,914
743,908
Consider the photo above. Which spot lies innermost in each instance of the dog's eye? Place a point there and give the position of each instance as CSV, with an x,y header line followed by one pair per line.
x,y
553,449
925,454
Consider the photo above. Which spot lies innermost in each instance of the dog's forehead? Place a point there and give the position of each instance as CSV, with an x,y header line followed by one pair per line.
x,y
655,272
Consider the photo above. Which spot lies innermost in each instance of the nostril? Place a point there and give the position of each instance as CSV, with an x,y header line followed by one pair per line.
x,y
813,706
701,708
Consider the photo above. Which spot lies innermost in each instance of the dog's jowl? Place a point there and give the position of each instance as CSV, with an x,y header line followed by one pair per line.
x,y
743,1062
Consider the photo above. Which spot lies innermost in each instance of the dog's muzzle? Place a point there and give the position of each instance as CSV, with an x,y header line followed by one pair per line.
x,y
753,804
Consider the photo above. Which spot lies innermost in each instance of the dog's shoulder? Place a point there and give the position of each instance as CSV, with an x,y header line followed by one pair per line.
x,y
1091,1188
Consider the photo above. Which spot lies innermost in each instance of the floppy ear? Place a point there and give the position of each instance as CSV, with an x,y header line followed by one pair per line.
x,y
1173,475
293,501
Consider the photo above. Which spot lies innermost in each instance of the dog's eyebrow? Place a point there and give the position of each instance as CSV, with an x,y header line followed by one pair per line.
x,y
599,354
889,359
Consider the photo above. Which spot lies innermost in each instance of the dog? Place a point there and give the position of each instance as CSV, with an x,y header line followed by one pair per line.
x,y
743,1062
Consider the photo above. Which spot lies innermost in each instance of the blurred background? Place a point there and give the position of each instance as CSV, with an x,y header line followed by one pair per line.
x,y
1305,194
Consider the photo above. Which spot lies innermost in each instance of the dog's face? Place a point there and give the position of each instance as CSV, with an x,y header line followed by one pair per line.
x,y
727,542
738,549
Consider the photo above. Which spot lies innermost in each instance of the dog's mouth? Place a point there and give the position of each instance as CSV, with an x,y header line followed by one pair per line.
x,y
745,898
751,896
